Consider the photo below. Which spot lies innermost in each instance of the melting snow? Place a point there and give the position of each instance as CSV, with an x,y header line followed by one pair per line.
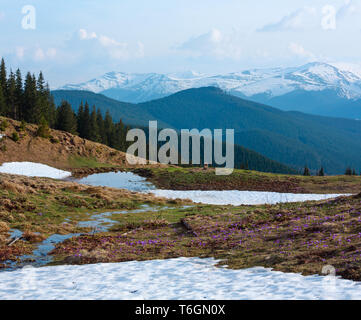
x,y
32,169
182,278
133,182
238,198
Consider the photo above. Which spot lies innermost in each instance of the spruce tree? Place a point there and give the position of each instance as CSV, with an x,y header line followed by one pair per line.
x,y
121,133
51,107
43,128
42,102
94,129
11,111
306,171
80,119
66,119
321,173
101,127
19,95
348,171
3,77
109,129
2,103
30,99
86,122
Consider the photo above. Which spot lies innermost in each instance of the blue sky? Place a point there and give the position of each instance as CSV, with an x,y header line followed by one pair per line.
x,y
74,41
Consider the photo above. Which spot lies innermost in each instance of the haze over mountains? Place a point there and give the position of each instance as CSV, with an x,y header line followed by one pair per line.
x,y
317,88
291,138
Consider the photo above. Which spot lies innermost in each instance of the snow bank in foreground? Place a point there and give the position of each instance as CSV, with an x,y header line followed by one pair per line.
x,y
32,169
183,278
237,198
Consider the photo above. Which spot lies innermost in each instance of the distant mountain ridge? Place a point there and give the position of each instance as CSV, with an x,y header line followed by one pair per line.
x,y
318,88
292,138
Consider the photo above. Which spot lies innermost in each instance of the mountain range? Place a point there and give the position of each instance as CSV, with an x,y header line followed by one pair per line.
x,y
316,88
292,138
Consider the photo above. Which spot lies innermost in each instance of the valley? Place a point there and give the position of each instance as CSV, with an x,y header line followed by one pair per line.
x,y
291,138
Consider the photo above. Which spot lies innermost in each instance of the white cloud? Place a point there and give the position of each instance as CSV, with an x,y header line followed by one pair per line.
x,y
140,50
39,54
20,52
300,19
300,51
84,35
214,43
108,42
51,52
308,18
88,43
348,8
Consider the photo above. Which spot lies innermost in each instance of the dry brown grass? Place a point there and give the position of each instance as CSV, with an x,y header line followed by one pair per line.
x,y
4,227
60,155
33,237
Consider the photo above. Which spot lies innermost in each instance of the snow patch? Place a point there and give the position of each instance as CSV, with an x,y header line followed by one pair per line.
x,y
185,278
133,182
32,169
237,198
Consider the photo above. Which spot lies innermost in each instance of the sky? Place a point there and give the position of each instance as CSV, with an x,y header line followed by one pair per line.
x,y
75,41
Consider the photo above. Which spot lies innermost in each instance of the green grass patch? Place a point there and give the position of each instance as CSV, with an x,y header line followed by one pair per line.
x,y
82,162
199,179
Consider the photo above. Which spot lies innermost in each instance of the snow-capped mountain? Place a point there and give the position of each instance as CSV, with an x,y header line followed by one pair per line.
x,y
310,88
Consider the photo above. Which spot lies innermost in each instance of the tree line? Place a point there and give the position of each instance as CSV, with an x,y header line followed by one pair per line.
x,y
30,101
348,172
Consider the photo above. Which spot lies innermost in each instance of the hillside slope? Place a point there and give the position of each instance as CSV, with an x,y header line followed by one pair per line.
x,y
63,150
81,156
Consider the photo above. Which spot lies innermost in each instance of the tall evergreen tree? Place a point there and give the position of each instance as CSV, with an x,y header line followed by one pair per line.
x,y
121,132
31,113
66,119
11,97
94,129
306,171
3,76
2,103
51,109
109,129
101,127
42,102
19,95
80,119
321,173
86,122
